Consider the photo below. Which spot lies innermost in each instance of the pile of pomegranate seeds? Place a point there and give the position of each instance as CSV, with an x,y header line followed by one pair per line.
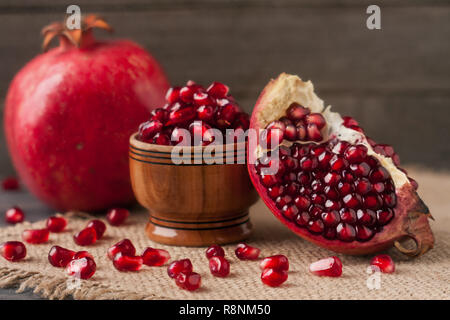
x,y
185,277
117,216
10,184
13,250
218,264
35,236
274,270
245,252
328,267
384,262
196,109
56,224
14,215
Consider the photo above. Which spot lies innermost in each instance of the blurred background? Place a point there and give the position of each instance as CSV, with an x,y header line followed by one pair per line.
x,y
395,81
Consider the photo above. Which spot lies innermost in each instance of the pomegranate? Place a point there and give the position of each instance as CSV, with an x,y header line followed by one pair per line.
x,y
245,252
13,250
60,257
324,179
35,236
124,246
56,224
278,262
188,281
83,254
10,184
127,263
14,215
117,216
179,266
61,116
99,227
219,266
83,268
194,115
85,237
214,251
384,262
274,277
328,267
155,257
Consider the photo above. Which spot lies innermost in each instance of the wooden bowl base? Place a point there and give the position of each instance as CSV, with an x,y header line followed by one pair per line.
x,y
199,233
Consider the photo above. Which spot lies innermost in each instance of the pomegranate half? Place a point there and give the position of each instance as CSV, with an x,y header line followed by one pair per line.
x,y
69,114
323,178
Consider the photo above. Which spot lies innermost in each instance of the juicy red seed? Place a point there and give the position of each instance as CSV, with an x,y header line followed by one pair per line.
x,y
316,211
396,159
340,147
272,137
324,159
356,154
351,200
389,200
202,98
186,94
332,205
384,262
349,122
379,174
366,217
56,224
246,252
302,202
60,257
308,164
205,113
363,186
173,94
277,262
161,139
35,236
127,263
275,191
273,277
313,132
149,129
117,216
269,180
283,201
155,257
228,113
316,119
384,216
345,232
344,188
361,169
363,233
303,177
10,184
302,219
331,193
290,212
338,163
83,268
179,266
317,199
85,237
188,281
214,251
378,187
13,250
99,226
372,201
160,114
182,116
316,226
331,218
332,178
290,132
124,246
328,267
82,254
14,215
218,90
296,112
348,215
301,132
219,266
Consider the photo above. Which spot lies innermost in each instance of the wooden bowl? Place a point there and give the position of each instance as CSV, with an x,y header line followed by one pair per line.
x,y
194,204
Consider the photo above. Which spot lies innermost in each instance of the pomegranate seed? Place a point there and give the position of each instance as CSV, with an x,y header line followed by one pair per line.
x,y
35,236
85,237
127,263
173,94
344,188
379,174
202,98
117,216
363,186
361,170
272,137
329,267
10,184
331,218
13,250
155,257
348,215
277,262
14,215
99,226
182,116
301,131
160,114
149,129
363,233
351,200
296,112
384,262
186,94
345,232
215,251
302,202
338,163
83,268
316,119
274,277
124,246
316,226
275,191
313,132
205,113
302,219
318,198
290,132
366,217
218,90
56,224
161,139
60,257
188,281
219,266
246,252
349,122
308,164
384,216
179,266
82,254
356,154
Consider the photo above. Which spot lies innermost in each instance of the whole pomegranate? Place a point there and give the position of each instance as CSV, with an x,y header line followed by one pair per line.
x,y
69,114
326,180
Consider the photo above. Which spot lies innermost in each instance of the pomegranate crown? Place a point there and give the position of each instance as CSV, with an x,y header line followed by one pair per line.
x,y
77,37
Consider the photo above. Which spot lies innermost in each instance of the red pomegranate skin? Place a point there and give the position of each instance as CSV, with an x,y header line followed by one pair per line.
x,y
68,117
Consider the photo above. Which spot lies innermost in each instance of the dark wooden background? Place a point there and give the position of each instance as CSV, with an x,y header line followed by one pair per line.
x,y
396,81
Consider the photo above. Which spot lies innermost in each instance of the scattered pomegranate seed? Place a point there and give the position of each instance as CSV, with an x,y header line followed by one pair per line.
x,y
246,252
329,267
155,257
99,227
215,251
83,254
14,215
219,266
56,224
35,236
117,216
384,262
188,281
60,257
124,246
13,250
274,277
83,268
10,184
179,266
127,263
85,237
277,262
